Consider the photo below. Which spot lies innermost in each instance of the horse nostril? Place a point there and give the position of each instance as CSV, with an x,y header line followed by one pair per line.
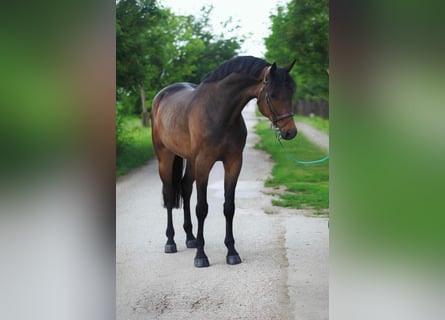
x,y
289,134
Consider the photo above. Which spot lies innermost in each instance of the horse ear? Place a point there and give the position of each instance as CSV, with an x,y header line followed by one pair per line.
x,y
273,68
270,72
289,66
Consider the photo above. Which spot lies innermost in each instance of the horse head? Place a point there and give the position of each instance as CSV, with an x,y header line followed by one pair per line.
x,y
275,99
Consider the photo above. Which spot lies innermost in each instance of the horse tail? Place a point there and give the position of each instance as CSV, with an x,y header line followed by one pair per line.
x,y
177,173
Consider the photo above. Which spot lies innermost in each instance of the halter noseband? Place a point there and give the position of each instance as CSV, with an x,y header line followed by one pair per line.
x,y
275,117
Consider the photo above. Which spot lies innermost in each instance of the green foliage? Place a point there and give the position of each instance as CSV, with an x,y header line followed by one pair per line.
x,y
136,146
120,130
213,49
300,31
307,186
133,19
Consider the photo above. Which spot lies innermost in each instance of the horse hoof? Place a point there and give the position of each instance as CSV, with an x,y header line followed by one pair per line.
x,y
191,243
170,248
233,260
201,262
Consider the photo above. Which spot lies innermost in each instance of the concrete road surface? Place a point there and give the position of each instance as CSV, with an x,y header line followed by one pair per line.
x,y
284,274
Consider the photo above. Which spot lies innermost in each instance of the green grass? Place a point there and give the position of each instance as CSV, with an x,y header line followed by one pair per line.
x,y
137,146
316,122
306,186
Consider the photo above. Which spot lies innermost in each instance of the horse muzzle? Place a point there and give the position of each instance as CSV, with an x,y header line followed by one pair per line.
x,y
288,134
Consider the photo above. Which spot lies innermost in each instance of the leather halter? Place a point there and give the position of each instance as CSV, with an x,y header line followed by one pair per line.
x,y
275,117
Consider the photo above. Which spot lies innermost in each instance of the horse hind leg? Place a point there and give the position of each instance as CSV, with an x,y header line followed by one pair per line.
x,y
187,188
170,171
170,246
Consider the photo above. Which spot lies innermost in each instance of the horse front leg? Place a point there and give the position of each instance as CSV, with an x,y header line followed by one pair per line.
x,y
232,168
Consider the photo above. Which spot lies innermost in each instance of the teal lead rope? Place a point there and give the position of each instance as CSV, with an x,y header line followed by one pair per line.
x,y
299,161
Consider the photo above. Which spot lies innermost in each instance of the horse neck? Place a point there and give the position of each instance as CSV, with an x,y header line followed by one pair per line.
x,y
231,95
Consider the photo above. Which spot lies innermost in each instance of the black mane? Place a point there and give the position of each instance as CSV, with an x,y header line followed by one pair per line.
x,y
243,64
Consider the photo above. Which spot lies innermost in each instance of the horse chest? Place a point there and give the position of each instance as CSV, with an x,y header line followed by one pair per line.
x,y
218,143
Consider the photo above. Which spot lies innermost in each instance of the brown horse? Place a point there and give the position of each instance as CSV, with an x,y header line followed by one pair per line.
x,y
203,124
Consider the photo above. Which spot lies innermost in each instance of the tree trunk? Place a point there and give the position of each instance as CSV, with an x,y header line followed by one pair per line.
x,y
145,115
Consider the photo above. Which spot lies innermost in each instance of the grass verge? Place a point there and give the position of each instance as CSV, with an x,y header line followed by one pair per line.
x,y
306,186
137,147
316,122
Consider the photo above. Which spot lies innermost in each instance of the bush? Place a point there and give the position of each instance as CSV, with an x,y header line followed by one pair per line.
x,y
135,147
121,133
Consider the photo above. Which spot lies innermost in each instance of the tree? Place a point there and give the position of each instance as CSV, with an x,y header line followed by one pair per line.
x,y
133,21
301,31
198,49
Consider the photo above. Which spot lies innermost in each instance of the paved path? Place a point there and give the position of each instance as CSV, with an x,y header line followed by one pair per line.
x,y
315,136
284,274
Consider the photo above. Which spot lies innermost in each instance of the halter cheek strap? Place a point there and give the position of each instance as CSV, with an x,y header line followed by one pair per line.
x,y
275,117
